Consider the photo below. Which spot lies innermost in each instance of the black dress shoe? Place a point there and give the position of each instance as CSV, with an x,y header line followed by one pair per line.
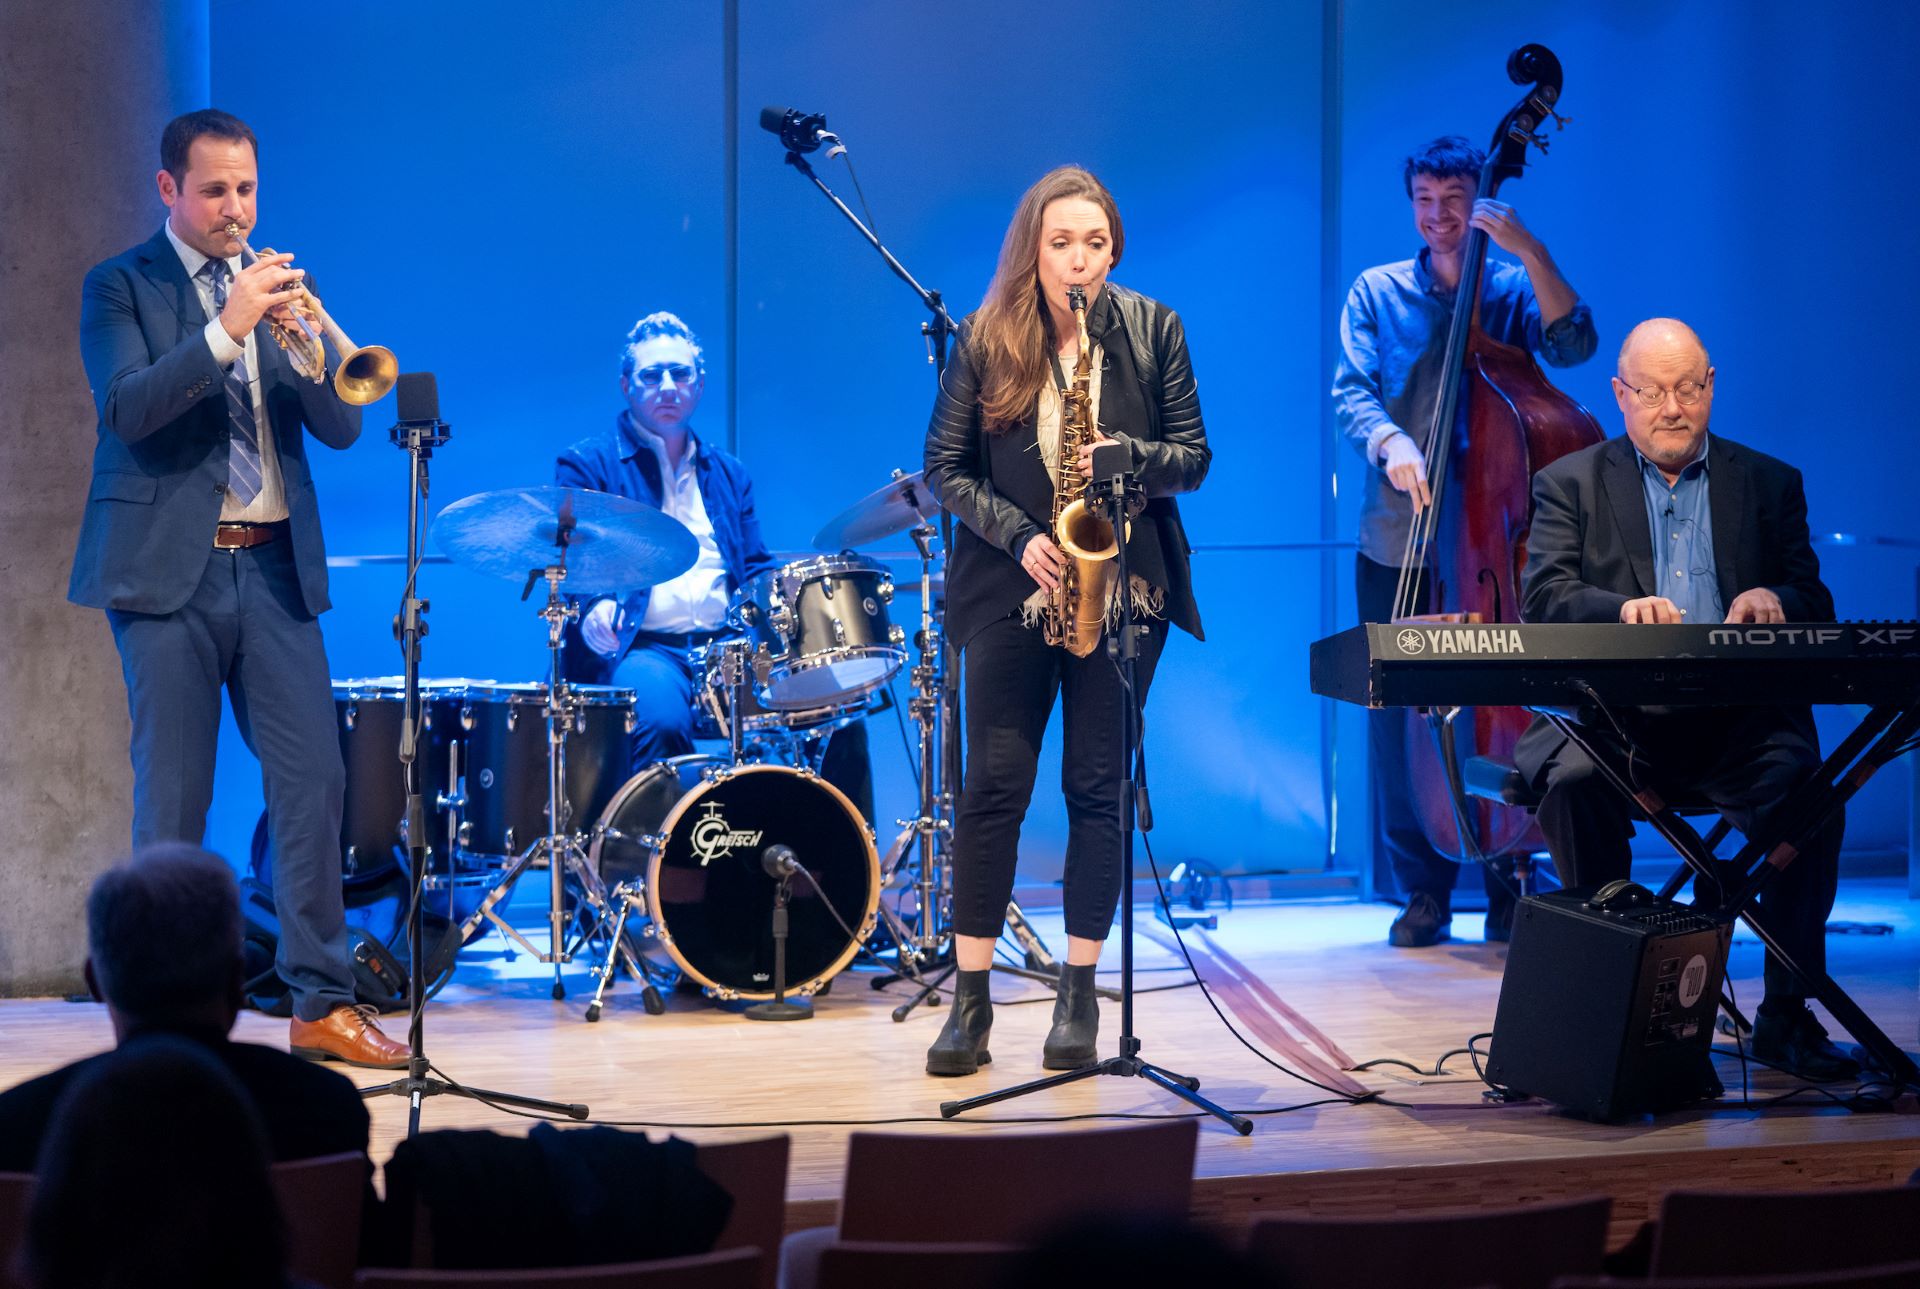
x,y
1424,922
1787,1036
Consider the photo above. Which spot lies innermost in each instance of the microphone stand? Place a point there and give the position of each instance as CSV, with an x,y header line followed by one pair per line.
x,y
782,866
939,330
418,438
1114,496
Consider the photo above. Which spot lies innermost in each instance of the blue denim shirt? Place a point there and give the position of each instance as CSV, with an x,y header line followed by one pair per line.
x,y
1681,519
1393,337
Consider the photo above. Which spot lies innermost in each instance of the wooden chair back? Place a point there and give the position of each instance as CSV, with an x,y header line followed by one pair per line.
x,y
725,1269
1517,1248
1726,1233
989,1187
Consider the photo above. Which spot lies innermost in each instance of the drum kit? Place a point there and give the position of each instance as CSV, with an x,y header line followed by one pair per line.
x,y
664,872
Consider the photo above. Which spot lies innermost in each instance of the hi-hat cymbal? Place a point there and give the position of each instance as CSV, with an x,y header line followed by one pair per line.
x,y
900,505
608,544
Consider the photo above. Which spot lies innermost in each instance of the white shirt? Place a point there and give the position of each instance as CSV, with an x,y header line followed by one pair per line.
x,y
270,503
697,599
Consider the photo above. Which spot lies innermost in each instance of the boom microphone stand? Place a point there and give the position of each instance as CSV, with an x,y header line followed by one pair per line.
x,y
802,134
419,431
1113,493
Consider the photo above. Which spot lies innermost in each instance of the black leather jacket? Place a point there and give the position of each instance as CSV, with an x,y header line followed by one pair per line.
x,y
997,484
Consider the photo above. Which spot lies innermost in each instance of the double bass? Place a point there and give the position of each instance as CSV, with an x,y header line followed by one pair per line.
x,y
1497,420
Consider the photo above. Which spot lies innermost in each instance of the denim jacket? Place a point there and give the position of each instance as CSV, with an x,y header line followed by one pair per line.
x,y
619,463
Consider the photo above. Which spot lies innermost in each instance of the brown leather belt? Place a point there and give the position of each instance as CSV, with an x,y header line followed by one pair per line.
x,y
234,537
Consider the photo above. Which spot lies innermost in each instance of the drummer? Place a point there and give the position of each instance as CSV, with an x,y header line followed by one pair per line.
x,y
653,454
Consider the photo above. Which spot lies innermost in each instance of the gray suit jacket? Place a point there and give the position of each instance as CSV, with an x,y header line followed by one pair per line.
x,y
160,463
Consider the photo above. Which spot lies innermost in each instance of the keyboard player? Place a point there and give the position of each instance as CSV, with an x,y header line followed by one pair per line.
x,y
1669,524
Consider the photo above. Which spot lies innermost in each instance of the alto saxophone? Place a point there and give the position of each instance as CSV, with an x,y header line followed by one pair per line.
x,y
1076,612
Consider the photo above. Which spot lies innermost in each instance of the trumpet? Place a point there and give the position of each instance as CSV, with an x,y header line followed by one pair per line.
x,y
365,373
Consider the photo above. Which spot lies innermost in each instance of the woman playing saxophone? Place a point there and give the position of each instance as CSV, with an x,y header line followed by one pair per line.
x,y
1014,426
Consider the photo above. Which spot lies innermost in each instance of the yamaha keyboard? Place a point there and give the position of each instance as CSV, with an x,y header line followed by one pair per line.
x,y
1446,665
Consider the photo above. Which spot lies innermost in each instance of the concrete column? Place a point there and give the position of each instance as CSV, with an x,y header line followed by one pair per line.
x,y
85,87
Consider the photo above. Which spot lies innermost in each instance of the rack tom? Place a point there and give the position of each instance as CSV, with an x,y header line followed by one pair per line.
x,y
824,629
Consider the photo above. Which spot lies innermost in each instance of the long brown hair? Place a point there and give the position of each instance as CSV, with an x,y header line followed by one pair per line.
x,y
1010,330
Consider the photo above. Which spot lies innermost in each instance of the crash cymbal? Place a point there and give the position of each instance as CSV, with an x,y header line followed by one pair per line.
x,y
900,505
606,543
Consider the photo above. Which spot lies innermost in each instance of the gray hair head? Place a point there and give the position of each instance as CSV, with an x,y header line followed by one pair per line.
x,y
164,930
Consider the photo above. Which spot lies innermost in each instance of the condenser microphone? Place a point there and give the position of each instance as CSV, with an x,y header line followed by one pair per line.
x,y
417,395
419,427
800,132
779,861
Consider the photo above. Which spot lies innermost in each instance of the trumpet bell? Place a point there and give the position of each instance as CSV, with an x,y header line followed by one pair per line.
x,y
1084,535
366,374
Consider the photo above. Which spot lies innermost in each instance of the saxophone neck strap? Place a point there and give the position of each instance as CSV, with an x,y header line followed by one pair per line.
x,y
1059,372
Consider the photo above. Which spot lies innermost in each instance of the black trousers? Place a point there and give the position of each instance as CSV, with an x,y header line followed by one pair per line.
x,y
1012,676
1417,866
1742,760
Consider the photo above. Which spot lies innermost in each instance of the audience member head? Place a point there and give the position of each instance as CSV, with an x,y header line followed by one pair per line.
x,y
1133,1249
164,941
154,1173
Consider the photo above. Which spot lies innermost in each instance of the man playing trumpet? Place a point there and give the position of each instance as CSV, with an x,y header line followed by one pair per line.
x,y
201,541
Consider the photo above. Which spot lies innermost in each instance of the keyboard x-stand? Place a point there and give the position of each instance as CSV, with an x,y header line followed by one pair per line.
x,y
1559,670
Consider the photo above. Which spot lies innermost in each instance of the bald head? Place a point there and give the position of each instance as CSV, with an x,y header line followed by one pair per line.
x,y
1663,361
1669,338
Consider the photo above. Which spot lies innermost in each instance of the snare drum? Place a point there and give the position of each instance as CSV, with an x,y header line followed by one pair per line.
x,y
710,705
688,835
823,623
506,761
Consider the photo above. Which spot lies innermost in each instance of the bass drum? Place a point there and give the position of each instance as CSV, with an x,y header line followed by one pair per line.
x,y
688,834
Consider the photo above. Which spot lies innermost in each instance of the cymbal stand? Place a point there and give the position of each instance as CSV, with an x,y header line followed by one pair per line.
x,y
566,859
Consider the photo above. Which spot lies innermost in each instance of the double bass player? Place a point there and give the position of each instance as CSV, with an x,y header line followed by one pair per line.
x,y
1393,333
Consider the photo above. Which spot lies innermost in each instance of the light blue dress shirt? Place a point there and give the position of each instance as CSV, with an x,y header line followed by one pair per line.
x,y
1393,334
1681,517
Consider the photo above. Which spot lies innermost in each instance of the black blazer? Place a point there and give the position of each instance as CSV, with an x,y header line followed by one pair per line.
x,y
1591,546
998,487
160,457
1591,549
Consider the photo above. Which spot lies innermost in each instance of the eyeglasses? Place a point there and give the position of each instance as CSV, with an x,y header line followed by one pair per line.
x,y
652,376
1687,393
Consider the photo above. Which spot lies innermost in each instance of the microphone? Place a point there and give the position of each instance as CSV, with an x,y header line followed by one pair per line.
x,y
779,861
1109,460
418,427
798,132
417,394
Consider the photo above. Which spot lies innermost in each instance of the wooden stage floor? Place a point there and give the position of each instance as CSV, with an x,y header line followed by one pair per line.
x,y
706,1074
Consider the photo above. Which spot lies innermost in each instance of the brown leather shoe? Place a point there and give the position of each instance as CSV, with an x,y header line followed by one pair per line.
x,y
347,1033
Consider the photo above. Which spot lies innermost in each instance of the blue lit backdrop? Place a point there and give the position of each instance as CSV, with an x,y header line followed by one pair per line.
x,y
497,191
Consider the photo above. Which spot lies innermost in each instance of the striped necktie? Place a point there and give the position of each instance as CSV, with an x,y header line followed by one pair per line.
x,y
243,455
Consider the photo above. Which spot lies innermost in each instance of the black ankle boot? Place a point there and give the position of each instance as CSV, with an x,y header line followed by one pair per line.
x,y
962,1045
1076,1021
